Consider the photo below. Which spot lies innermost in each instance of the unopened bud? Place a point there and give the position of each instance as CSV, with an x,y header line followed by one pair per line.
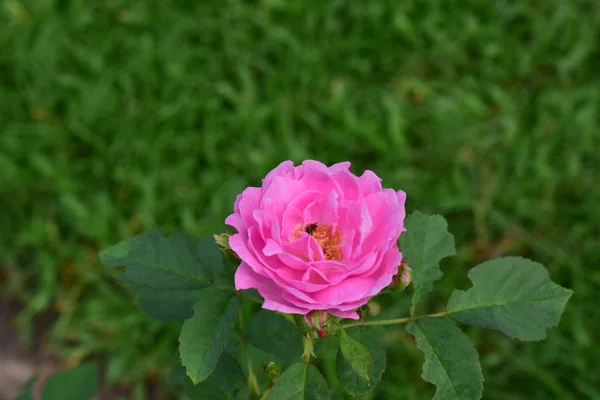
x,y
405,277
373,308
222,241
270,369
402,279
317,320
316,324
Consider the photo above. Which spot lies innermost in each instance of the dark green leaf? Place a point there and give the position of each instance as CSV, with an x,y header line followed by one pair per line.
x,y
204,336
451,361
350,381
168,305
253,294
276,335
220,270
177,262
425,242
357,356
337,395
78,383
512,295
221,385
300,382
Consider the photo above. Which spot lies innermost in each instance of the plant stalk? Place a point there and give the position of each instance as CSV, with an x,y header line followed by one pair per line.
x,y
396,321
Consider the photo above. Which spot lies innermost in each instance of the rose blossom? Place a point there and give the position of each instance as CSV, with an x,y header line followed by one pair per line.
x,y
317,238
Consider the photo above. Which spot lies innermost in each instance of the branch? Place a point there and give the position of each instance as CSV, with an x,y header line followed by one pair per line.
x,y
396,321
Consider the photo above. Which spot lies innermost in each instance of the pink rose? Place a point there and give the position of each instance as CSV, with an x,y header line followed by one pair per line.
x,y
317,238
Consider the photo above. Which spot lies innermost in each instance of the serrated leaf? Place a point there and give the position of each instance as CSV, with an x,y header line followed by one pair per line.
x,y
169,272
425,242
357,356
220,270
350,381
168,305
451,361
300,382
221,385
78,383
176,262
204,336
513,295
275,335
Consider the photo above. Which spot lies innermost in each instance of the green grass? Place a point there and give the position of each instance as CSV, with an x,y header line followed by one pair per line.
x,y
121,116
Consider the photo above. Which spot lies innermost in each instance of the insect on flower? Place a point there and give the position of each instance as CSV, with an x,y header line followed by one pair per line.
x,y
311,228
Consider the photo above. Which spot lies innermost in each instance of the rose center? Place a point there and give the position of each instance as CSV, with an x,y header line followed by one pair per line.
x,y
327,239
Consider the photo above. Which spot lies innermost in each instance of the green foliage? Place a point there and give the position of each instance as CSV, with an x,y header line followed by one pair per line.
x,y
152,260
425,242
276,336
168,305
451,361
513,295
350,380
300,382
78,383
510,294
226,379
205,335
357,356
121,116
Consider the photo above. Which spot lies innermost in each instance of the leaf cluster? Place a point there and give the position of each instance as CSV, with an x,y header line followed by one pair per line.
x,y
230,351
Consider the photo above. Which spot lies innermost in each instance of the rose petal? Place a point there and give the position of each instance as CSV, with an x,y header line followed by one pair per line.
x,y
350,289
344,314
272,248
282,169
249,202
235,220
369,183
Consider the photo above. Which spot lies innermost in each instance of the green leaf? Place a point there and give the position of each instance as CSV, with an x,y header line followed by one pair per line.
x,y
204,336
220,270
352,382
513,295
275,335
451,361
221,385
168,305
425,242
177,262
78,383
300,382
357,356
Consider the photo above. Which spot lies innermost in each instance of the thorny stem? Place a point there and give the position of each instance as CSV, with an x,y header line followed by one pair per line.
x,y
396,321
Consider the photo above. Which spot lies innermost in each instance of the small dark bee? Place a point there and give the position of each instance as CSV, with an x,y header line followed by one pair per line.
x,y
311,228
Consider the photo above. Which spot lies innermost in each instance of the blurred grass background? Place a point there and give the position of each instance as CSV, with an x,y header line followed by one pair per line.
x,y
120,116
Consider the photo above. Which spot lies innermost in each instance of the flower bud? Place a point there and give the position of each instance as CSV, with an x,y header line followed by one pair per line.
x,y
270,369
316,324
222,241
403,278
373,308
317,320
406,277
